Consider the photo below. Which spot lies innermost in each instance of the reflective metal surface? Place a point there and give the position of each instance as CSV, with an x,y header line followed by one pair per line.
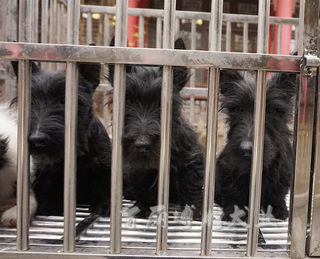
x,y
304,130
117,131
149,56
258,137
166,115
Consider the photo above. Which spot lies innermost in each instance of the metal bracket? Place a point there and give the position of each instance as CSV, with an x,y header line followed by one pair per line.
x,y
310,65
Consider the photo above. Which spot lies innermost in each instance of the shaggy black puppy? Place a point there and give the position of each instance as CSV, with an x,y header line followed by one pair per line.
x,y
141,141
234,162
46,141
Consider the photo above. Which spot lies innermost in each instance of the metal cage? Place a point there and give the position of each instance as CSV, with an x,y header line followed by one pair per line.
x,y
55,237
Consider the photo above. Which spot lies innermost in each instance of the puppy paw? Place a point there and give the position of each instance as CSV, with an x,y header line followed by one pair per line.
x,y
9,217
280,213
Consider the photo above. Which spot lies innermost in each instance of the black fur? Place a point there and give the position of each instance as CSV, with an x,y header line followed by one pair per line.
x,y
46,141
3,151
234,162
141,141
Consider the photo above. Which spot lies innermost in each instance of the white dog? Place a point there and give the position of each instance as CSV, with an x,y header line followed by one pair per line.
x,y
8,168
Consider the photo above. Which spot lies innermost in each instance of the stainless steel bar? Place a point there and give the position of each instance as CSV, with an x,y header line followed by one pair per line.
x,y
44,21
35,20
188,15
308,35
210,168
148,56
158,32
177,26
245,37
70,166
117,130
193,76
166,114
257,164
215,27
23,162
24,81
59,22
258,140
89,29
106,30
71,112
279,38
313,242
141,31
228,36
215,30
53,22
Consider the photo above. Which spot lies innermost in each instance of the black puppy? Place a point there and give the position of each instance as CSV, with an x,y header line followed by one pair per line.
x,y
234,162
141,141
46,141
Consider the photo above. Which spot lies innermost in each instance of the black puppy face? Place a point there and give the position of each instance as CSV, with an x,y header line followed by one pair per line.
x,y
238,94
141,139
48,108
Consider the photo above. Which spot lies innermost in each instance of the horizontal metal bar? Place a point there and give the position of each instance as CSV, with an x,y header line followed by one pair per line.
x,y
193,58
49,255
187,15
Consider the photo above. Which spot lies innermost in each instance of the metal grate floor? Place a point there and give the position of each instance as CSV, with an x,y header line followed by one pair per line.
x,y
46,234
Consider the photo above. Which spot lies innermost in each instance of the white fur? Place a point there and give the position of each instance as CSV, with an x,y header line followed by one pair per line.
x,y
8,174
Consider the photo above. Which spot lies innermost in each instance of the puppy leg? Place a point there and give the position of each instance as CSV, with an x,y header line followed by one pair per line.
x,y
9,217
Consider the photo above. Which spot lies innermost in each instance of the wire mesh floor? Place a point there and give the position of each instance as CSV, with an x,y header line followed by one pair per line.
x,y
184,234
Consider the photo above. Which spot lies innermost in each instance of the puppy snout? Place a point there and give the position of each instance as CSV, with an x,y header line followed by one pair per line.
x,y
143,143
246,148
38,139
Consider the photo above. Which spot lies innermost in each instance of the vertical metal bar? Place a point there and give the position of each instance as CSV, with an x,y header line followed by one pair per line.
x,y
24,81
296,36
215,28
71,112
53,14
117,130
308,35
59,21
314,238
228,36
259,119
193,71
166,110
35,20
257,163
70,168
89,28
141,31
106,30
245,37
177,26
158,32
279,38
44,21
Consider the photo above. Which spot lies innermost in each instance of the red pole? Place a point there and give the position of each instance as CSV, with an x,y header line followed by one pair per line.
x,y
284,9
133,24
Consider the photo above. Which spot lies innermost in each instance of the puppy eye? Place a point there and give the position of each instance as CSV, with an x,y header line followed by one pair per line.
x,y
271,110
235,109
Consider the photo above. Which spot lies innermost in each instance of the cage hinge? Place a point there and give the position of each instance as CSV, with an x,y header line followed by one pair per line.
x,y
310,65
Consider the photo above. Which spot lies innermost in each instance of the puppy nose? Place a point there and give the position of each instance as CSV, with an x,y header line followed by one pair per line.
x,y
142,143
246,148
39,139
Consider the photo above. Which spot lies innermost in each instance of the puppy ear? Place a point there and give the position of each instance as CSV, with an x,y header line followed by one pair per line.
x,y
227,78
179,44
181,75
34,68
286,83
129,68
91,73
